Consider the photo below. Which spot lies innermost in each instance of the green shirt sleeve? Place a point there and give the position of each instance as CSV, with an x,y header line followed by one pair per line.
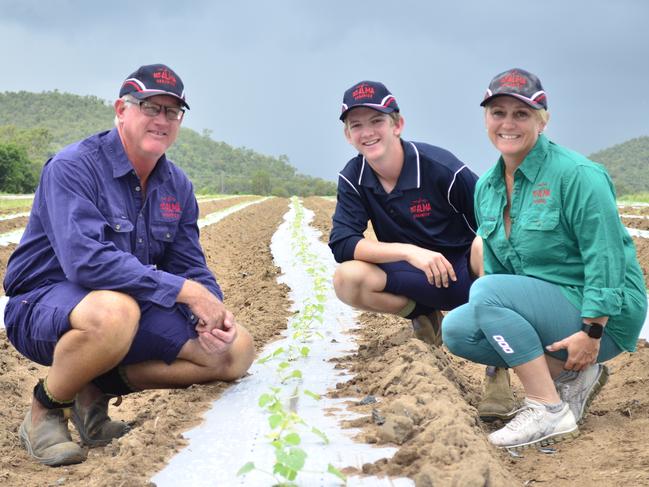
x,y
485,229
590,208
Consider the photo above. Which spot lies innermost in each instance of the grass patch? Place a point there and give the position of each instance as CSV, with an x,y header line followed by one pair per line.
x,y
634,198
9,202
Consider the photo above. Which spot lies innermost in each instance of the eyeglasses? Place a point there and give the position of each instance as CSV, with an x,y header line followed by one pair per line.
x,y
150,109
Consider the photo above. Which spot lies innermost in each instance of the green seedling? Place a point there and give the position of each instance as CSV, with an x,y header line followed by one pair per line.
x,y
284,420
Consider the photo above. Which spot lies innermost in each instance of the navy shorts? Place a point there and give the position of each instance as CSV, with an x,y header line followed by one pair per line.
x,y
36,320
404,279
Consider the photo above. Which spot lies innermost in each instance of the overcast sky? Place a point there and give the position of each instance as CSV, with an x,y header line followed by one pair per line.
x,y
270,75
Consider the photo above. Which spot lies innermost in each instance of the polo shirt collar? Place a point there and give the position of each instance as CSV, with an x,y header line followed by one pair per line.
x,y
410,176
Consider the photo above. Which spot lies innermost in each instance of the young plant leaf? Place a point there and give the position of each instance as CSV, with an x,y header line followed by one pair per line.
x,y
312,394
248,467
334,471
292,439
321,434
274,421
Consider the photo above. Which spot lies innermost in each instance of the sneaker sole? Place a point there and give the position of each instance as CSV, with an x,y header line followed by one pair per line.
x,y
602,379
54,461
546,440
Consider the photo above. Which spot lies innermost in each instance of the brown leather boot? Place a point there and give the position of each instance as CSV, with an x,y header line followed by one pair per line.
x,y
497,400
93,424
428,328
49,442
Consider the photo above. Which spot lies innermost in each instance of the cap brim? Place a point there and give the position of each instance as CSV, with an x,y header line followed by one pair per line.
x,y
143,95
378,108
522,98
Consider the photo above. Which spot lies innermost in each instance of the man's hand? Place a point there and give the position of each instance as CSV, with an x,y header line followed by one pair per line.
x,y
217,340
582,350
216,327
438,270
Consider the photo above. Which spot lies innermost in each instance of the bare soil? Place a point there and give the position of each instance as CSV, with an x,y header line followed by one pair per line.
x,y
425,405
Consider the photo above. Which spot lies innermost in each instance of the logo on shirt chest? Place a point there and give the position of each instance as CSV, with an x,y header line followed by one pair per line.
x,y
170,208
420,208
541,194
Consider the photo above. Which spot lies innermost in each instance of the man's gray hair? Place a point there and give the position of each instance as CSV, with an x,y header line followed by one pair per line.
x,y
126,99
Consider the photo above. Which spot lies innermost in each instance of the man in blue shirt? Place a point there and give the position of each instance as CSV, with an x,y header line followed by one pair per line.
x,y
419,199
109,286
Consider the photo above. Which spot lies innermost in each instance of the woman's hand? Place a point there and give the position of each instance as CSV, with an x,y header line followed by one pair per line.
x,y
582,350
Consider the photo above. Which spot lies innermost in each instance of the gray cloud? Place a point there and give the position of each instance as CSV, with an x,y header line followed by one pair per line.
x,y
270,75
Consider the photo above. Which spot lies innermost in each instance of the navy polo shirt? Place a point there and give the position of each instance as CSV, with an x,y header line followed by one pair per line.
x,y
90,224
431,205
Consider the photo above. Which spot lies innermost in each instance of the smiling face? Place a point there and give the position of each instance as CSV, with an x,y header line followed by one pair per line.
x,y
146,138
513,127
374,134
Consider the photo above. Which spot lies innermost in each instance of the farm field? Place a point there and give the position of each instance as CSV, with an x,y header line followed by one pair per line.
x,y
426,396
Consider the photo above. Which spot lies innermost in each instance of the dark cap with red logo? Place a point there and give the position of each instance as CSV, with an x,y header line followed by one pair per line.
x,y
520,84
370,94
152,80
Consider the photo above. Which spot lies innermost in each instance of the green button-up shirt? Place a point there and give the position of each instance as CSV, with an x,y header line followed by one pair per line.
x,y
565,229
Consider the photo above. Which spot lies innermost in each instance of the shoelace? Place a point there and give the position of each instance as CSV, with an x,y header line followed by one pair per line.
x,y
524,415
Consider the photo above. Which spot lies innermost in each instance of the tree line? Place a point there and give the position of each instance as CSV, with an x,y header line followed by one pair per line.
x,y
34,126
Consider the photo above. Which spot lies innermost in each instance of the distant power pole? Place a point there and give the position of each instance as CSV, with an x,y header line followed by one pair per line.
x,y
222,183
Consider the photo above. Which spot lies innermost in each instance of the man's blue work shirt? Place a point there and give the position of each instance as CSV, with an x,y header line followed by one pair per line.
x,y
431,205
90,224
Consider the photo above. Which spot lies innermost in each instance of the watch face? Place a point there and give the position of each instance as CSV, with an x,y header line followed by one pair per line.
x,y
594,330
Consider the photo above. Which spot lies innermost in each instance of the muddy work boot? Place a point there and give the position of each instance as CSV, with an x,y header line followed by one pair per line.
x,y
428,328
93,424
50,442
497,400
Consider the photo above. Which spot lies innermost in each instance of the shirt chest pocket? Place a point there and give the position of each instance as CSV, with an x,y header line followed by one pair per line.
x,y
119,232
540,240
162,235
486,229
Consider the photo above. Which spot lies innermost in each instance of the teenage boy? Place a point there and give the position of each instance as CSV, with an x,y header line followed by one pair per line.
x,y
419,199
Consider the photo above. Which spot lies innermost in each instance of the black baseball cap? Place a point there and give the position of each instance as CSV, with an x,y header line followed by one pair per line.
x,y
152,80
370,94
520,84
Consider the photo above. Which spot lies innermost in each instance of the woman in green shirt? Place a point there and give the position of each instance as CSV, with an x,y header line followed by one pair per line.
x,y
563,289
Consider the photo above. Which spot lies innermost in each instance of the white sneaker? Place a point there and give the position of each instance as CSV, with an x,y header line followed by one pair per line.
x,y
579,389
534,425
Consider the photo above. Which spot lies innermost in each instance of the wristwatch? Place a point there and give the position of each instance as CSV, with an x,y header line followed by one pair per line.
x,y
593,330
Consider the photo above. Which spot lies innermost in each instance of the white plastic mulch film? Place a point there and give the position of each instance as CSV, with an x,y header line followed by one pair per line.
x,y
237,430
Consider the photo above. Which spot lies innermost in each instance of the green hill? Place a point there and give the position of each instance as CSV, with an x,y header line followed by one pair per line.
x,y
628,165
43,123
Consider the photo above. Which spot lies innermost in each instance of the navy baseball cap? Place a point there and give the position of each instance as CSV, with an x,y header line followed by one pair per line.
x,y
520,84
370,94
152,80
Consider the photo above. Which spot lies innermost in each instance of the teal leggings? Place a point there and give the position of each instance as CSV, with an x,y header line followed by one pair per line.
x,y
510,319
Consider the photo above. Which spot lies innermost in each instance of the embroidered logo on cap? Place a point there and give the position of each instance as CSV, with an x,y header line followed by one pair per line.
x,y
513,80
363,91
164,77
